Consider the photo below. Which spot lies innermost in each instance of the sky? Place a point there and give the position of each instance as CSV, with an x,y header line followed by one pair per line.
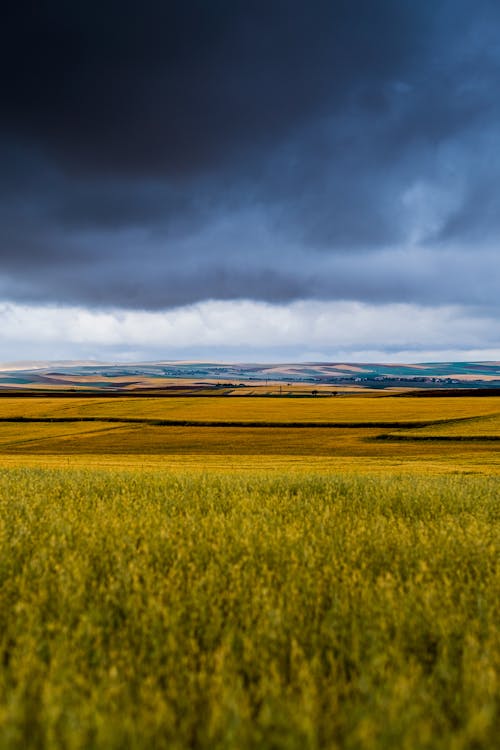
x,y
266,180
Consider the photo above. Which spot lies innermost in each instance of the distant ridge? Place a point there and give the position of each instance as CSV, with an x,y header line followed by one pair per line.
x,y
145,374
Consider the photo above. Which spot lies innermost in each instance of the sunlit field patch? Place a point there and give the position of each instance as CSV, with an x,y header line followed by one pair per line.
x,y
272,409
176,611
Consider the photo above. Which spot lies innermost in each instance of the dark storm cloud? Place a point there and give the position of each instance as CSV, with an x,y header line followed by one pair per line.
x,y
161,153
175,87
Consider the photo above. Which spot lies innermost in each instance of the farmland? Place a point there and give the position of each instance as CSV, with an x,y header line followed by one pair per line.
x,y
249,572
348,433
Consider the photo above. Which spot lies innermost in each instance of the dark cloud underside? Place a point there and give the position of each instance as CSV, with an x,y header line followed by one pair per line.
x,y
159,153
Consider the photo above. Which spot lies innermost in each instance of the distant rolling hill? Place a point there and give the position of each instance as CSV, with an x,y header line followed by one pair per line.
x,y
101,376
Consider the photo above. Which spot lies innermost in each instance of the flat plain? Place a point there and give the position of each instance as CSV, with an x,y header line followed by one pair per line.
x,y
250,572
347,433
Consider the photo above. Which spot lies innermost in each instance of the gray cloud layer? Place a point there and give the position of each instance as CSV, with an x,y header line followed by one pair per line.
x,y
167,153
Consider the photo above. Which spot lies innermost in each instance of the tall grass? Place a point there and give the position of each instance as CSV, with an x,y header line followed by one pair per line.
x,y
160,611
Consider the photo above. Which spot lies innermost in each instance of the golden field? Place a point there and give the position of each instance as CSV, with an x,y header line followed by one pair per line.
x,y
330,434
345,408
323,580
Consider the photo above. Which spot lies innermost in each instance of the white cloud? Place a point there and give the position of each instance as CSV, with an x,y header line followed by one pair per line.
x,y
250,330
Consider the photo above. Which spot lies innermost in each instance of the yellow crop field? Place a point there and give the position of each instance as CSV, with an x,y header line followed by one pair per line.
x,y
337,434
249,573
477,427
163,610
347,408
330,434
145,439
331,449
21,437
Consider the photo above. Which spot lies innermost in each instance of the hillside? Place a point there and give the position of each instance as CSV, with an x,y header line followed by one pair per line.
x,y
202,375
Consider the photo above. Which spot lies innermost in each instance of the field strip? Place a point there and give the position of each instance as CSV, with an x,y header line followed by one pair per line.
x,y
48,438
242,412
472,429
239,423
203,464
437,438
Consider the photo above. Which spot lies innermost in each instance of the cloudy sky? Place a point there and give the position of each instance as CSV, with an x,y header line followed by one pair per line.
x,y
250,179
